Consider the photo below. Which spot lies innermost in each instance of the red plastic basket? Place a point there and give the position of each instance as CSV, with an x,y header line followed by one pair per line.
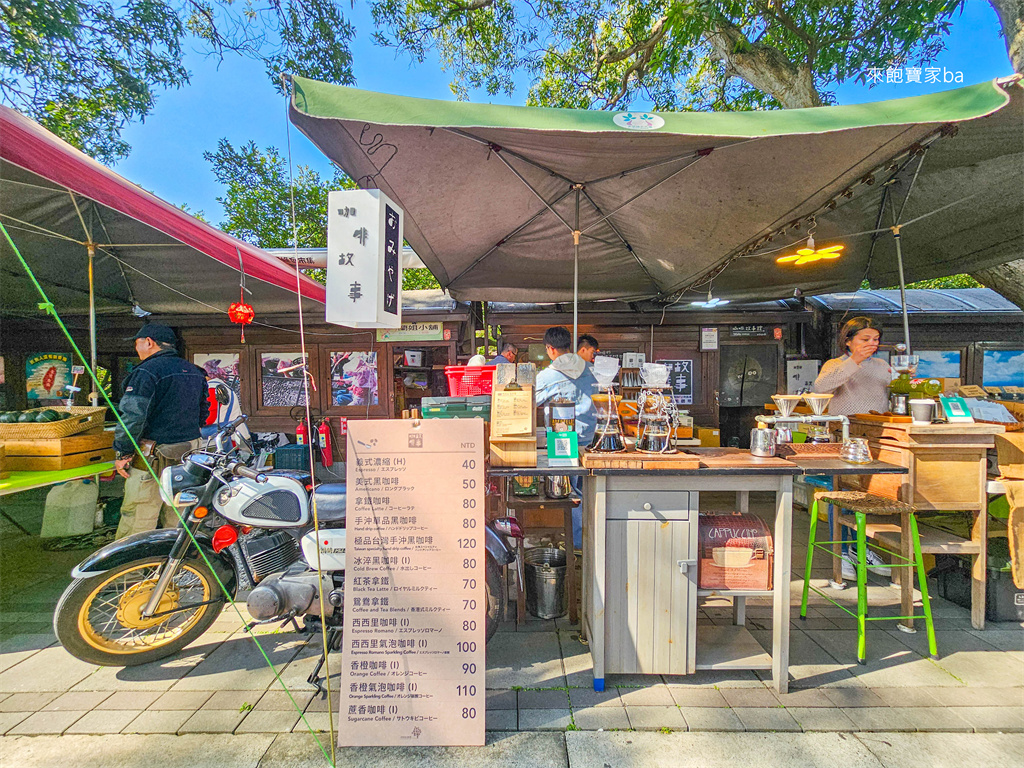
x,y
466,380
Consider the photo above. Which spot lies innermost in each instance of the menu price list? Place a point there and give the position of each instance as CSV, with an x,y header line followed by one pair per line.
x,y
413,657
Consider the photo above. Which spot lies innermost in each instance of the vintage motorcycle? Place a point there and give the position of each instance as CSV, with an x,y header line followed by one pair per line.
x,y
147,596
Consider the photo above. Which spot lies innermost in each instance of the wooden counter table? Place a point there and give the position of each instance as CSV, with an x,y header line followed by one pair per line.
x,y
946,471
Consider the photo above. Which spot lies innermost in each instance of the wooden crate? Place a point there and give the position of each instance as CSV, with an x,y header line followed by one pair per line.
x,y
93,440
52,463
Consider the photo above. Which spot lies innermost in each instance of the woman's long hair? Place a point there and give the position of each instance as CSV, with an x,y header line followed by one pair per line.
x,y
854,326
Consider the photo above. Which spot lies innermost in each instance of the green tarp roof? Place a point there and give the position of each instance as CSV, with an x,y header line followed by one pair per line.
x,y
669,200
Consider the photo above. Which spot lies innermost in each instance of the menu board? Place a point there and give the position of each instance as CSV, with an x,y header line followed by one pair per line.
x,y
413,664
680,378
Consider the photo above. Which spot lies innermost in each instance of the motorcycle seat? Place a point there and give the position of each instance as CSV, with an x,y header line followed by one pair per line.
x,y
330,502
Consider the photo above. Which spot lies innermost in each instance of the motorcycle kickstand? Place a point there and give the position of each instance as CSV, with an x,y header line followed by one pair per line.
x,y
314,679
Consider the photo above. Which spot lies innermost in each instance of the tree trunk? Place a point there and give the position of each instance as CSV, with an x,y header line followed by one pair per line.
x,y
1008,279
765,68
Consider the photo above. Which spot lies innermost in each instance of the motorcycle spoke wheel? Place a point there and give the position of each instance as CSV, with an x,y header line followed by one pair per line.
x,y
110,619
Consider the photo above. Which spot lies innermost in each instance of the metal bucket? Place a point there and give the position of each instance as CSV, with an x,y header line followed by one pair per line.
x,y
545,582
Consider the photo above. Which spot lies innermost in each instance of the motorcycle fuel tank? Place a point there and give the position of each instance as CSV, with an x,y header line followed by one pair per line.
x,y
332,549
280,502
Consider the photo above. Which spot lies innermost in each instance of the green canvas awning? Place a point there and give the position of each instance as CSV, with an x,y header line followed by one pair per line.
x,y
667,201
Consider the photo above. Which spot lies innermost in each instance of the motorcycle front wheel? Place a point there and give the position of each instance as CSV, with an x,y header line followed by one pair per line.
x,y
99,619
495,596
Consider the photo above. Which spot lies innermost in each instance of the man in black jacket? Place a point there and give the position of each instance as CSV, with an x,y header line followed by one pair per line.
x,y
163,406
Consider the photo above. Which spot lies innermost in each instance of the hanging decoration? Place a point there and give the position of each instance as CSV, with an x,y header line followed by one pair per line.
x,y
810,254
240,312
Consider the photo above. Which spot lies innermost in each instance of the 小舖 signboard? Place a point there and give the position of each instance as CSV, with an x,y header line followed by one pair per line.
x,y
364,266
413,663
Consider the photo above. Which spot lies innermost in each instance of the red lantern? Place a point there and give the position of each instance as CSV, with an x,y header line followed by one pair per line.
x,y
241,313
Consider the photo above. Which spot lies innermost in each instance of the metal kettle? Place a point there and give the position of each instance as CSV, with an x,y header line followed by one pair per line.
x,y
762,441
557,486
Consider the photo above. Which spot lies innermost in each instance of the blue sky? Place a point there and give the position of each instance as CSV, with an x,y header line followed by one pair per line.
x,y
234,99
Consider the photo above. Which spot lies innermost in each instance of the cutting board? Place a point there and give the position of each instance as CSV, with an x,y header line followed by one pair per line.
x,y
734,457
635,460
882,418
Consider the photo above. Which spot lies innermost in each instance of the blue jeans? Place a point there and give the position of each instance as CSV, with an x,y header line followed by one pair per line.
x,y
576,481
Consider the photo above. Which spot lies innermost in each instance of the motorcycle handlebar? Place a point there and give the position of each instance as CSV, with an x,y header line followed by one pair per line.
x,y
243,471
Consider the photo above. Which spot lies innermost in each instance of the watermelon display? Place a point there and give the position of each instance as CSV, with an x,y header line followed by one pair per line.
x,y
47,415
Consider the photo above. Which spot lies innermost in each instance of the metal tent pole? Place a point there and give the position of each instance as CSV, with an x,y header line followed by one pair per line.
x,y
903,288
93,395
576,272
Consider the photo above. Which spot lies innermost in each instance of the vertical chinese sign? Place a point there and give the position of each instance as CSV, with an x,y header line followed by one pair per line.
x,y
364,268
413,666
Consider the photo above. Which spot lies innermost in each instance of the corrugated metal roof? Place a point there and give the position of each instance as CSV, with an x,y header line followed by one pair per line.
x,y
919,300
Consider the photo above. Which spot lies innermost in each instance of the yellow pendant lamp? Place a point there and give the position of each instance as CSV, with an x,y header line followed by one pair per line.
x,y
810,254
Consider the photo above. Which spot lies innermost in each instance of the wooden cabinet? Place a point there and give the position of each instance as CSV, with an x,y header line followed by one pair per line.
x,y
651,602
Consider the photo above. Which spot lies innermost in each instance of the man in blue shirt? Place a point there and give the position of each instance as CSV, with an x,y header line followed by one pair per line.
x,y
509,353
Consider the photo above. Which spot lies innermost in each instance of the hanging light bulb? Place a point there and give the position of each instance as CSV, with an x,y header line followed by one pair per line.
x,y
710,303
810,254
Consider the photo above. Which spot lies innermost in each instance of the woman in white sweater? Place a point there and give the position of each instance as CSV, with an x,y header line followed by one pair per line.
x,y
859,383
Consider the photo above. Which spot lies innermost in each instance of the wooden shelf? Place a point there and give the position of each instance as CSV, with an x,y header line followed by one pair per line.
x,y
414,368
729,647
735,593
933,541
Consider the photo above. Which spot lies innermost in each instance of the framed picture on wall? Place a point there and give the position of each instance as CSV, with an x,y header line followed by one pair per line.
x,y
354,379
223,366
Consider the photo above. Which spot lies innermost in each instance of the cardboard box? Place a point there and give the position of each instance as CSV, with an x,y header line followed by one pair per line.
x,y
709,438
735,552
1010,450
950,387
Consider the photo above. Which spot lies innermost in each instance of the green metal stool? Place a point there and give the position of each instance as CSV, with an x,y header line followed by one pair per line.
x,y
862,504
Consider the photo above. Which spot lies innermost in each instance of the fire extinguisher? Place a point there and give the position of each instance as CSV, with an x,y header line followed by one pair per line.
x,y
302,433
324,438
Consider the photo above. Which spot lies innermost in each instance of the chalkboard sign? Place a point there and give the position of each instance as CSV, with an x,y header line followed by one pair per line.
x,y
680,378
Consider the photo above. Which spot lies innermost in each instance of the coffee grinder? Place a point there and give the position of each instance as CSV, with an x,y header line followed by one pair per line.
x,y
899,388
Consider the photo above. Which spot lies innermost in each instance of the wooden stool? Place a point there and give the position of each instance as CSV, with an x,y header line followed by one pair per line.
x,y
864,504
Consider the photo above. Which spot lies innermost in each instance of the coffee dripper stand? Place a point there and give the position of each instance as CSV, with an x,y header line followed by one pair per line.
x,y
818,403
608,430
656,409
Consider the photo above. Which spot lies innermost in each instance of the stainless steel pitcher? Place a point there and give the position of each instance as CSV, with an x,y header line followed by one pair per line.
x,y
557,486
762,442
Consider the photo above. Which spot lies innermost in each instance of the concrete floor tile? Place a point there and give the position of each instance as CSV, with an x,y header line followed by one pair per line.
x,y
767,719
239,665
808,697
27,702
81,701
710,719
854,697
500,699
652,696
158,721
969,697
138,700
525,659
51,669
555,699
721,679
878,719
655,718
821,719
269,721
213,721
280,701
750,697
943,719
232,700
990,719
697,697
10,719
320,703
545,719
104,721
940,750
318,721
581,698
181,700
46,722
909,697
502,720
1003,639
157,676
596,718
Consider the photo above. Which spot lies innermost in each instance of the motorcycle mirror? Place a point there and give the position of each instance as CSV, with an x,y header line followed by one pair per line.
x,y
222,394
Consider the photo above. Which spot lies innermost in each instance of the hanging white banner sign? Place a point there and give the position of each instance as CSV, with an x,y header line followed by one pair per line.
x,y
364,267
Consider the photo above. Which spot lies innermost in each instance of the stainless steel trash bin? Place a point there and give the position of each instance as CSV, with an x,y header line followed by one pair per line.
x,y
545,582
